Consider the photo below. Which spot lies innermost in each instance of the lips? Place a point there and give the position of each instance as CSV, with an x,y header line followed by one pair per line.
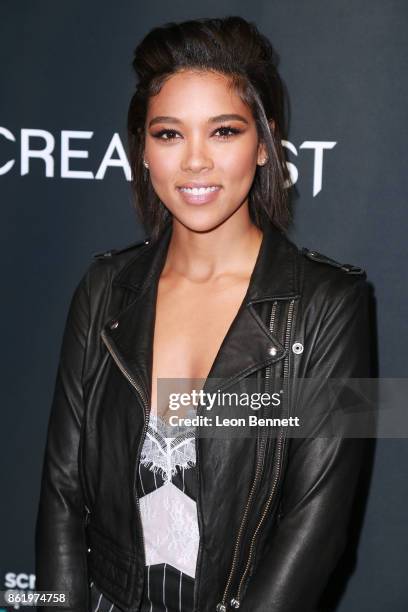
x,y
199,193
199,186
199,190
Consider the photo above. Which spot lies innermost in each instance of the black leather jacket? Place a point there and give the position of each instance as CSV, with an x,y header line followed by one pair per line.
x,y
273,515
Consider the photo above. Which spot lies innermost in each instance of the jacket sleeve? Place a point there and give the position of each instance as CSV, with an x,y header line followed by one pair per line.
x,y
60,546
321,474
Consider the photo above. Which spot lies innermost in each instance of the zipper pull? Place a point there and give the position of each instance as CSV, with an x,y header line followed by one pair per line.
x,y
221,608
88,512
235,603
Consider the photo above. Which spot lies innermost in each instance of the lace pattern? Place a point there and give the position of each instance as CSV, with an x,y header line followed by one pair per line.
x,y
170,528
163,454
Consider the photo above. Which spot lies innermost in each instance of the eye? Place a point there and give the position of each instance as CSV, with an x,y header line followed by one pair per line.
x,y
165,134
226,128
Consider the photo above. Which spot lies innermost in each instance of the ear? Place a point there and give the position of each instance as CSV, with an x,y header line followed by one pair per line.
x,y
262,152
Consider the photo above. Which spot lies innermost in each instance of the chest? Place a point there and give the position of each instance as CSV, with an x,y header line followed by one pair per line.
x,y
190,326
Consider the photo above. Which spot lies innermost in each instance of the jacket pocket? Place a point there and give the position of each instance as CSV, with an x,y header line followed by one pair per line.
x,y
107,563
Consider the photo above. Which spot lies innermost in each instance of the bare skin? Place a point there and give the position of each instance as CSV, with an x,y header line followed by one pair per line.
x,y
214,246
192,319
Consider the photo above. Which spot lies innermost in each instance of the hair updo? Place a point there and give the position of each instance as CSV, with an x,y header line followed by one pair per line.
x,y
231,46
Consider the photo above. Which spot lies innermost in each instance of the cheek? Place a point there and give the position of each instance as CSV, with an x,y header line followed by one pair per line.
x,y
165,163
238,165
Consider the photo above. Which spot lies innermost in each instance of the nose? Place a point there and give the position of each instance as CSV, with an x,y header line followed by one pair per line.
x,y
196,156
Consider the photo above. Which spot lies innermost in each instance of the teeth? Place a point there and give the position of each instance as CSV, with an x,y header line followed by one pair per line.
x,y
198,190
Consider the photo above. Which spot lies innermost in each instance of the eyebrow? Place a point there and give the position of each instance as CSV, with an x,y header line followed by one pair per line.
x,y
217,119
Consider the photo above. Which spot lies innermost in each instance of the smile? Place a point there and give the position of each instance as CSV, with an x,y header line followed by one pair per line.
x,y
198,190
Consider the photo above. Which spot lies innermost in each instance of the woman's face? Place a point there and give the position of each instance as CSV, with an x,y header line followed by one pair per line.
x,y
200,133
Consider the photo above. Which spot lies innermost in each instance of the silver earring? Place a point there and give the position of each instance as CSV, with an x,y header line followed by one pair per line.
x,y
146,165
263,161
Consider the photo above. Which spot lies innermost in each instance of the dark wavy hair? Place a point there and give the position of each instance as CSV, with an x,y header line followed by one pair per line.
x,y
231,46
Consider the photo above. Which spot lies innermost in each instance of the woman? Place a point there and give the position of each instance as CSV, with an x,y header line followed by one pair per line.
x,y
129,519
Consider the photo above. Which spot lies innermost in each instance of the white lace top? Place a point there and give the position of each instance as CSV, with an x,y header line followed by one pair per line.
x,y
168,509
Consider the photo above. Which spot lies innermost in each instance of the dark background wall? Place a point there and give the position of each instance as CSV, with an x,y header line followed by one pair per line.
x,y
66,66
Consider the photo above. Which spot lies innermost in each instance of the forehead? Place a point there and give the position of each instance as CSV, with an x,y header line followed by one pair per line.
x,y
197,93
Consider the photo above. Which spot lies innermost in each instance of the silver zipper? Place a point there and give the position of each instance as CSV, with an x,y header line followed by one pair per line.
x,y
272,319
243,521
287,339
235,602
142,396
221,607
271,328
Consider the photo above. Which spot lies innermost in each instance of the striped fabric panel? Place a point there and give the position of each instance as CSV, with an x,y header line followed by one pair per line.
x,y
166,590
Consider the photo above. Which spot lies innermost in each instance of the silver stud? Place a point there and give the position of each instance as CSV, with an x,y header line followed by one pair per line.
x,y
114,325
273,351
297,348
146,241
89,550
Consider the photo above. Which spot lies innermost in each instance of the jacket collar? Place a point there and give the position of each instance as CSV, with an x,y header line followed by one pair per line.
x,y
248,344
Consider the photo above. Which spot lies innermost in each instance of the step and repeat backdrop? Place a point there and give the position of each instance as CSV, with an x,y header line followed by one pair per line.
x,y
66,82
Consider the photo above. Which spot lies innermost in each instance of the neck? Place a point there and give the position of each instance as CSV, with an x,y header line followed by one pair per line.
x,y
230,248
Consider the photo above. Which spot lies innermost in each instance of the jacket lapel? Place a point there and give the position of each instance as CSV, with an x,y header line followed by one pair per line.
x,y
248,344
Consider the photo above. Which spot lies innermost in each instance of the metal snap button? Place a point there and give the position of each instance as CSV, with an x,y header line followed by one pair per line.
x,y
273,351
114,325
297,348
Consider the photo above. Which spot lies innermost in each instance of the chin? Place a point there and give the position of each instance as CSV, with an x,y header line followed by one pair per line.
x,y
200,221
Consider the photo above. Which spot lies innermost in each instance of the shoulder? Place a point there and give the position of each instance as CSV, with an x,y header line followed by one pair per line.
x,y
121,255
319,258
105,265
327,280
94,296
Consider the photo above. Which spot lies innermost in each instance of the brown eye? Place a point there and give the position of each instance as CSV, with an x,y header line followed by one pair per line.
x,y
227,131
165,135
